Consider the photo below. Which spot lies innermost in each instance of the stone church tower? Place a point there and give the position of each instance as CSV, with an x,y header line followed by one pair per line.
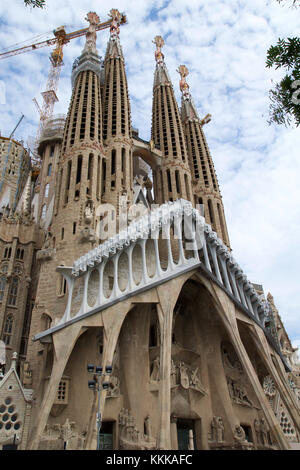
x,y
134,282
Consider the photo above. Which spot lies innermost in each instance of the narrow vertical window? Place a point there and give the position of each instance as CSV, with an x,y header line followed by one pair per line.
x,y
46,190
58,191
79,166
211,212
44,208
13,292
221,222
68,181
113,162
8,328
49,169
188,195
177,181
2,287
90,167
103,176
98,179
62,233
169,181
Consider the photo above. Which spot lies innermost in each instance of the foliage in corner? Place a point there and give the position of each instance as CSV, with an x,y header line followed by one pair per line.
x,y
285,96
35,3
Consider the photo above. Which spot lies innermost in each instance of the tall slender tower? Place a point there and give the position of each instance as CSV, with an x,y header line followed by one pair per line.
x,y
116,121
206,189
77,194
173,179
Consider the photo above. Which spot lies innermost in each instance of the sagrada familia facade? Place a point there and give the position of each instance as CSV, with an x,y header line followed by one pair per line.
x,y
115,254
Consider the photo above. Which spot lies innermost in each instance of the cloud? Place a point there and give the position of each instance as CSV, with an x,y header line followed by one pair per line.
x,y
224,44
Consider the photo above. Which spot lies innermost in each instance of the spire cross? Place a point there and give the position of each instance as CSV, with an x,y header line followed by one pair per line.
x,y
184,87
116,21
159,42
91,35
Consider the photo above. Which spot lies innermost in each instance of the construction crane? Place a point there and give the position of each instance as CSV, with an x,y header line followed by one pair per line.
x,y
61,37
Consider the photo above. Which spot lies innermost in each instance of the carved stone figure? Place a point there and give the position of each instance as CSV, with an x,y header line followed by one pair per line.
x,y
114,390
239,433
147,424
27,374
87,234
257,430
88,212
184,378
217,429
230,359
173,373
238,392
155,375
264,431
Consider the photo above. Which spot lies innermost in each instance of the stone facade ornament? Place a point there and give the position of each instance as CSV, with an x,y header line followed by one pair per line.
x,y
186,376
217,429
47,252
262,432
239,434
159,56
229,356
91,35
87,234
27,375
114,388
155,375
269,386
88,212
184,87
116,20
238,392
130,436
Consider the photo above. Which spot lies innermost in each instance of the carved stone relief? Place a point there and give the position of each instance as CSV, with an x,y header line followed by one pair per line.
x,y
186,376
155,374
236,379
280,411
238,393
87,234
130,437
230,359
62,436
217,430
262,431
114,388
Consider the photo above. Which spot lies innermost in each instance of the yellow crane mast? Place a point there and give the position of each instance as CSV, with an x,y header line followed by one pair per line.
x,y
61,37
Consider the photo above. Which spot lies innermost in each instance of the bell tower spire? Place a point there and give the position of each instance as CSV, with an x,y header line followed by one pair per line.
x,y
116,119
173,178
80,168
206,189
